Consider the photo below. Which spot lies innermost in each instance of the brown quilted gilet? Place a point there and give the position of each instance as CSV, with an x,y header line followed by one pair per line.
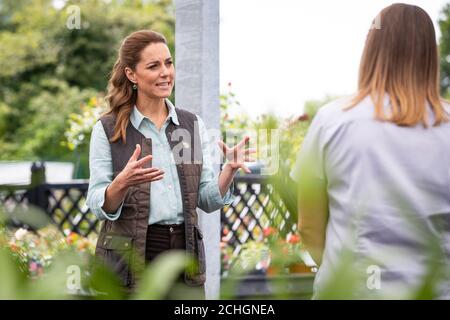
x,y
122,243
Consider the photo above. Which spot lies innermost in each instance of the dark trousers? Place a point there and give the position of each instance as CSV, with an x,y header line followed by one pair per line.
x,y
163,238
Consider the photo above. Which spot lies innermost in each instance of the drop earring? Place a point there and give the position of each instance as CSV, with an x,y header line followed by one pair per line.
x,y
134,86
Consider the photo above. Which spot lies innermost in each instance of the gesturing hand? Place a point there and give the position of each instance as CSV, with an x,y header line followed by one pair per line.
x,y
237,155
134,173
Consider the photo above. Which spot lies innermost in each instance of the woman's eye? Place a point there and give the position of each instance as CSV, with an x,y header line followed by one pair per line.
x,y
153,67
169,63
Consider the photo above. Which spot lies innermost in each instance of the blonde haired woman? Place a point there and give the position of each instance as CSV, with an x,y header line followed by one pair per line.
x,y
374,170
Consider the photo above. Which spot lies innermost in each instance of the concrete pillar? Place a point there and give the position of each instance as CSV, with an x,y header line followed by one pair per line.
x,y
197,90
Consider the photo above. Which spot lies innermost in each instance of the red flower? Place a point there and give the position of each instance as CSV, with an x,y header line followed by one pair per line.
x,y
72,237
269,231
294,239
14,247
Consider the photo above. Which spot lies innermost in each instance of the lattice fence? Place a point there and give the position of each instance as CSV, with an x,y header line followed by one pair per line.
x,y
67,208
64,204
256,206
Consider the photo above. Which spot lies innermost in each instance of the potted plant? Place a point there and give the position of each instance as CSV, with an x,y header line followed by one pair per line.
x,y
286,254
254,255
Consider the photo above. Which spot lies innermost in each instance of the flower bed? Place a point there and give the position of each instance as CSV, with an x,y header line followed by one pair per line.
x,y
274,255
34,250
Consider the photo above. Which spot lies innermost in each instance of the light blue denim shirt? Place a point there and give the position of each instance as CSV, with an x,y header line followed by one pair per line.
x,y
165,196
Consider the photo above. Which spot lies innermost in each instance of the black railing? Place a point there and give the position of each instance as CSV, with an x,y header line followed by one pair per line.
x,y
256,206
63,203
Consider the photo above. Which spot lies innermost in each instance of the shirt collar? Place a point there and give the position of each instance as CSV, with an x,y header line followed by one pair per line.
x,y
172,113
137,117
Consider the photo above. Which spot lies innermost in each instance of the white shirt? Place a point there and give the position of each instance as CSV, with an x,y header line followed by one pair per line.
x,y
389,191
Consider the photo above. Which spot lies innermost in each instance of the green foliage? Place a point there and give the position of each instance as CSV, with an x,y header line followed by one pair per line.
x,y
46,122
444,23
45,264
231,124
291,133
88,54
274,250
48,70
312,106
81,124
251,257
78,132
162,273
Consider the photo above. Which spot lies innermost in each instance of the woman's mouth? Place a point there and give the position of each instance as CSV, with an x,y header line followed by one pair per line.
x,y
164,85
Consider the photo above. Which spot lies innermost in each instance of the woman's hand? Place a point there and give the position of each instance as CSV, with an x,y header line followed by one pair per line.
x,y
134,173
237,155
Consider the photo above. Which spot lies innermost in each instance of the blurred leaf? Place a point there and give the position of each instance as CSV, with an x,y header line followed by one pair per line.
x,y
12,280
31,216
161,275
105,284
344,284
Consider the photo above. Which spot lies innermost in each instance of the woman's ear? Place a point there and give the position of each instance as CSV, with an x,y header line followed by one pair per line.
x,y
130,75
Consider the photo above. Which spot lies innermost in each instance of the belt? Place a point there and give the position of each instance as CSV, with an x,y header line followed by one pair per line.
x,y
170,227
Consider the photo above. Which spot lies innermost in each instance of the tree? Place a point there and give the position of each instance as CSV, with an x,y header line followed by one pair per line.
x,y
49,69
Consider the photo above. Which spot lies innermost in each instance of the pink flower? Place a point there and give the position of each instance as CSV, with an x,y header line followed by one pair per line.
x,y
33,266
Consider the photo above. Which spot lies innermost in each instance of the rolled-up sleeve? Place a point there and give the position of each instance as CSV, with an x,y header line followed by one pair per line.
x,y
101,173
209,197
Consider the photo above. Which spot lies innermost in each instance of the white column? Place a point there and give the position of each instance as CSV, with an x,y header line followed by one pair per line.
x,y
197,90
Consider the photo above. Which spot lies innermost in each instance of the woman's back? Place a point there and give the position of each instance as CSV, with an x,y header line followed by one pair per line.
x,y
388,190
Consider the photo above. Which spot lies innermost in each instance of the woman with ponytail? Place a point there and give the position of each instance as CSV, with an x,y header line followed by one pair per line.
x,y
150,167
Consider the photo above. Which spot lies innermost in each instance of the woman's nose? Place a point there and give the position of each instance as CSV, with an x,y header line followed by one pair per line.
x,y
164,71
